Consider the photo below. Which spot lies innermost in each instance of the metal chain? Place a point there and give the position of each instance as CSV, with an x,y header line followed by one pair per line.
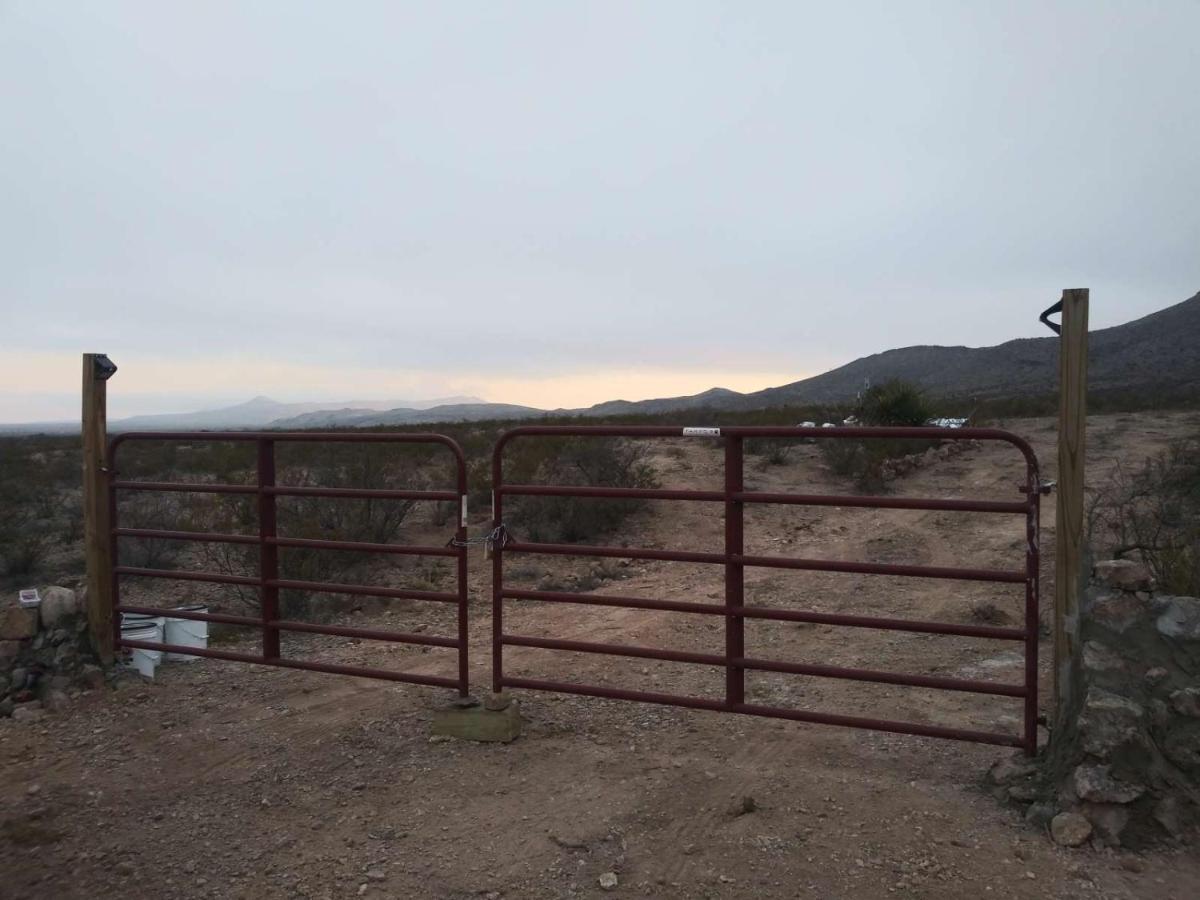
x,y
499,534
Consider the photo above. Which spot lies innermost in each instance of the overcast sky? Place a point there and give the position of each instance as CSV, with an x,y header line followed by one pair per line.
x,y
560,203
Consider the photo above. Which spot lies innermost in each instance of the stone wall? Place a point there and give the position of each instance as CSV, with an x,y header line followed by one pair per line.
x,y
1125,769
45,655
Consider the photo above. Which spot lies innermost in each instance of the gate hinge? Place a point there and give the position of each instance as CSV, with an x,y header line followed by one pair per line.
x,y
1046,487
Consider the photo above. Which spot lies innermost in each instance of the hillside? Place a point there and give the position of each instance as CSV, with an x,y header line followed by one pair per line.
x,y
1158,351
451,412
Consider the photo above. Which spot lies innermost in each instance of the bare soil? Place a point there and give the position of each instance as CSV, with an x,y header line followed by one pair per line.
x,y
223,780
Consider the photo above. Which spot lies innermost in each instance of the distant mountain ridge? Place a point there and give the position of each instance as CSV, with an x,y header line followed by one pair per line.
x,y
449,412
261,412
1158,351
1161,350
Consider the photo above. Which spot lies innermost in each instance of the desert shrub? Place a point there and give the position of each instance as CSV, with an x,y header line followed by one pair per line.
x,y
1152,512
774,451
362,520
894,403
607,462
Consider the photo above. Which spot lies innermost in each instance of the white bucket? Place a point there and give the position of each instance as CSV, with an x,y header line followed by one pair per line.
x,y
186,633
149,630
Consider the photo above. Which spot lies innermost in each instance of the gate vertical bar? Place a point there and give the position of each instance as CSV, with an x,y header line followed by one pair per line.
x,y
1032,567
461,536
268,552
497,551
735,639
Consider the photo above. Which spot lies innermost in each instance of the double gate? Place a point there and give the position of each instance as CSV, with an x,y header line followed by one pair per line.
x,y
733,611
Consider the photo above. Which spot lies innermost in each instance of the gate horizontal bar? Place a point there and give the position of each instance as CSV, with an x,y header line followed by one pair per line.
x,y
857,568
190,487
284,490
555,490
311,437
184,575
308,543
325,587
321,587
360,671
771,562
211,537
763,612
369,634
869,502
398,549
765,665
615,552
978,737
219,618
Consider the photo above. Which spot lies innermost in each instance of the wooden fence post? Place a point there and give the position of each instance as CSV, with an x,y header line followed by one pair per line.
x,y
1068,523
96,371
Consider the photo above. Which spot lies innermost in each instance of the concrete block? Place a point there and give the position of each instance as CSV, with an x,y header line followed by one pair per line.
x,y
478,723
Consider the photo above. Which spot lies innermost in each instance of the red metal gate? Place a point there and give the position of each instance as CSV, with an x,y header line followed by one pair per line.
x,y
268,542
734,560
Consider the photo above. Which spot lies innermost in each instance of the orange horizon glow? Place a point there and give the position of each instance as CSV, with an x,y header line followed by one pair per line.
x,y
147,384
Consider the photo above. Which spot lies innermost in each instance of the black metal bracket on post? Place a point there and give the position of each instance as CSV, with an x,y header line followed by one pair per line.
x,y
1044,318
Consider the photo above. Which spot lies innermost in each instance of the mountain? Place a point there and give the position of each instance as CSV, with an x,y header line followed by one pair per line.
x,y
1160,351
713,398
449,412
262,411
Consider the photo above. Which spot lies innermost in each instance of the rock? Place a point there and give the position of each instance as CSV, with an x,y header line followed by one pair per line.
x,y
1108,721
28,712
1099,659
1096,785
1108,821
1155,676
1179,618
1116,612
9,651
1008,769
5,684
1024,793
376,875
1070,829
1168,814
1123,574
745,806
17,623
1182,745
1040,814
1187,702
58,683
59,635
6,707
608,881
91,677
19,676
58,603
55,701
